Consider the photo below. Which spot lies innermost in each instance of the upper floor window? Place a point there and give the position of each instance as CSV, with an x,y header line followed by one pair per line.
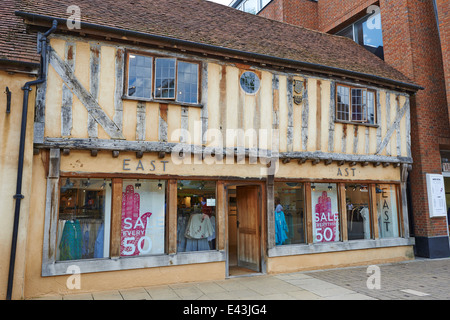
x,y
355,104
162,78
252,6
367,32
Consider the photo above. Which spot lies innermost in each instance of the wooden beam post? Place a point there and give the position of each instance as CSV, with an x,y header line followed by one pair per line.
x,y
309,216
373,211
343,210
116,217
172,217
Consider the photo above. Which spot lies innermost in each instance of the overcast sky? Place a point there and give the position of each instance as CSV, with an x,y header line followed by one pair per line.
x,y
224,2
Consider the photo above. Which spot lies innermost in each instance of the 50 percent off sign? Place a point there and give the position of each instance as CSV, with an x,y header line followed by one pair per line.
x,y
326,222
133,238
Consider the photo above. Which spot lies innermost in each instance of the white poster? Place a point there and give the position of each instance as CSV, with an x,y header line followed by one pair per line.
x,y
436,195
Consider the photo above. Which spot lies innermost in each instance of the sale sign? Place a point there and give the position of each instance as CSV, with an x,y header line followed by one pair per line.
x,y
133,238
326,221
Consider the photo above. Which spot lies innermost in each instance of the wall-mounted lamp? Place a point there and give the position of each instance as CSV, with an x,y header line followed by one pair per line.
x,y
313,187
8,100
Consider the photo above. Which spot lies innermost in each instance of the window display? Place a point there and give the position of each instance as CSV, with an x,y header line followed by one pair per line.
x,y
289,213
196,215
143,217
84,219
325,212
387,211
358,215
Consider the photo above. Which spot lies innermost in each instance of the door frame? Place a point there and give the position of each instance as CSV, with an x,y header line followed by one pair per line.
x,y
262,219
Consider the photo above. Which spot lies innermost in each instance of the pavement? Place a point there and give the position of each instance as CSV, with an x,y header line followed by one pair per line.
x,y
419,279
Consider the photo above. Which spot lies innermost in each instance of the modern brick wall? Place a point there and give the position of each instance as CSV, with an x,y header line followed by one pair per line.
x,y
299,12
411,45
443,8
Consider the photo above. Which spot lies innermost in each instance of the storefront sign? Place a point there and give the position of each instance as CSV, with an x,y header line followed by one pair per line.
x,y
436,195
144,166
346,172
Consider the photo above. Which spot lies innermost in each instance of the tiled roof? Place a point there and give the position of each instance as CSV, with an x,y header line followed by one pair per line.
x,y
15,43
213,24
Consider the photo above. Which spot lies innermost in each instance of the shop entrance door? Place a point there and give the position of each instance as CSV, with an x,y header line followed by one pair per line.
x,y
248,230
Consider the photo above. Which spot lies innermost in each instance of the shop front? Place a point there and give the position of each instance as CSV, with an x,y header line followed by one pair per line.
x,y
153,221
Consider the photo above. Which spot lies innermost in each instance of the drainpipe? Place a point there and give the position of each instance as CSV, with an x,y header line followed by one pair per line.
x,y
42,44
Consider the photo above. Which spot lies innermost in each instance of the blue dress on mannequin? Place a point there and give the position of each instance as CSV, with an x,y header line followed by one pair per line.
x,y
281,227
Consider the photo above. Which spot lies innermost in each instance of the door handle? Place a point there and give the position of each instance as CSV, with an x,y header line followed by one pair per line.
x,y
237,223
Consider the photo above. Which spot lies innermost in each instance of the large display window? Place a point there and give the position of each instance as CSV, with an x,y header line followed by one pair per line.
x,y
358,213
387,210
84,219
196,215
290,226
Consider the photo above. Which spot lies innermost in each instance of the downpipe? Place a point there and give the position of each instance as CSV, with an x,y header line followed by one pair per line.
x,y
19,196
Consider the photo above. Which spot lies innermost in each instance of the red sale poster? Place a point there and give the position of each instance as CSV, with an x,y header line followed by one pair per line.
x,y
326,215
133,224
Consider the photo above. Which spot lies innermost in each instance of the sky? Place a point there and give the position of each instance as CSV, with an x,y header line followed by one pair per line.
x,y
224,2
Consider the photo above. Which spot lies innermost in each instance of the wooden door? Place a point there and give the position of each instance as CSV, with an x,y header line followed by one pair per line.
x,y
248,230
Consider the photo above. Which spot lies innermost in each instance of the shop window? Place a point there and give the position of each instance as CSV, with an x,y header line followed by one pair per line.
x,y
358,214
84,219
196,215
325,212
387,209
355,105
171,78
143,217
290,226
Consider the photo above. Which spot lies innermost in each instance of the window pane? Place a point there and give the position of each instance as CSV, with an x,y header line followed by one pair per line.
x,y
358,216
84,219
324,200
369,34
165,78
143,217
289,213
387,211
187,82
139,76
347,32
251,6
264,3
196,223
358,105
371,107
343,103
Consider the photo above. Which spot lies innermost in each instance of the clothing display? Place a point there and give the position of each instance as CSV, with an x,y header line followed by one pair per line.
x,y
80,239
98,248
281,228
70,247
199,227
195,232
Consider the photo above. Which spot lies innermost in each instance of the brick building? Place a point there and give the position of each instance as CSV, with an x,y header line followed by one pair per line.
x,y
413,37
